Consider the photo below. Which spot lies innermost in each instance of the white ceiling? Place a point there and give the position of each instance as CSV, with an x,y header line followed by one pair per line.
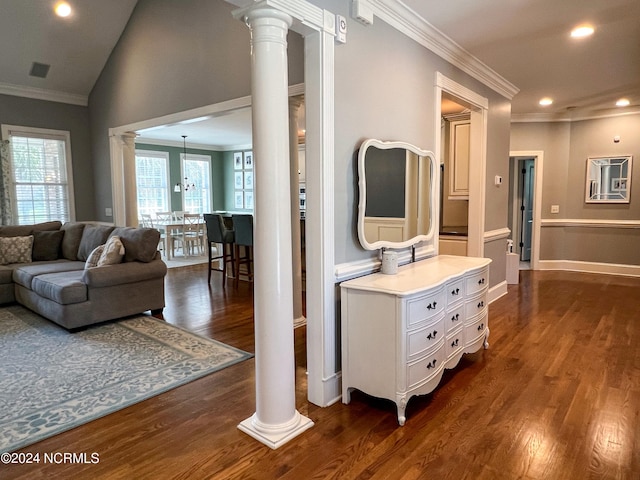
x,y
525,41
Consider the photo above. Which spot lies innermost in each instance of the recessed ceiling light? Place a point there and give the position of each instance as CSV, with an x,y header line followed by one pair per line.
x,y
62,9
582,31
545,102
623,102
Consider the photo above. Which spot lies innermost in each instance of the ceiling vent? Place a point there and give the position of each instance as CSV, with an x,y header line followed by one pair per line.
x,y
39,70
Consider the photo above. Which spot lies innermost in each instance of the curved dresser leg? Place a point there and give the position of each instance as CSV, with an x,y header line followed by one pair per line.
x,y
486,339
402,405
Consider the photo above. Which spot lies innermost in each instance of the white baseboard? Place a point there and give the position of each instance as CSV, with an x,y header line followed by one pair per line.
x,y
590,267
497,291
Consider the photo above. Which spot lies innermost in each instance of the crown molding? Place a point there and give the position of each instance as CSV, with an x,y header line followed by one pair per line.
x,y
410,23
42,94
573,116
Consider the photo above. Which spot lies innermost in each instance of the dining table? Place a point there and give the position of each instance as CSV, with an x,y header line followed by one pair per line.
x,y
169,229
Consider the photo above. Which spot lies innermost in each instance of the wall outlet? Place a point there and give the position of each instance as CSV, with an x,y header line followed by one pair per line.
x,y
108,212
555,208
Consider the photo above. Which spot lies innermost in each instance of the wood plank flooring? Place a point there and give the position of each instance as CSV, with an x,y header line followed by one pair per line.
x,y
556,396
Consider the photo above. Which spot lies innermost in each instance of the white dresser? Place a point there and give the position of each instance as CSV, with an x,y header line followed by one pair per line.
x,y
399,332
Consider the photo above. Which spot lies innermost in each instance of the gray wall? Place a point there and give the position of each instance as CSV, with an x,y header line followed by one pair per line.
x,y
566,148
385,89
173,56
28,112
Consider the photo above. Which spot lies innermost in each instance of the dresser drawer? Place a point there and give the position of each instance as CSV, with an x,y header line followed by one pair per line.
x,y
424,339
477,328
454,318
426,367
424,307
477,282
475,305
455,292
454,343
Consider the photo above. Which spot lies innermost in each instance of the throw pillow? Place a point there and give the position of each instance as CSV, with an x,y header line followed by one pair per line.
x,y
47,245
94,256
15,249
71,240
92,236
110,253
113,252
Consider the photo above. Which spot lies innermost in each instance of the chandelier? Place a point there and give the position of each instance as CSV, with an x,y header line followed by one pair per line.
x,y
186,185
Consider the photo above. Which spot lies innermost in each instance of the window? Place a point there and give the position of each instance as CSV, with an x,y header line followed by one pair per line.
x,y
197,170
42,186
152,181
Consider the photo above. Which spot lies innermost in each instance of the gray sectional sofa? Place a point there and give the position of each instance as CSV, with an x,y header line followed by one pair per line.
x,y
58,283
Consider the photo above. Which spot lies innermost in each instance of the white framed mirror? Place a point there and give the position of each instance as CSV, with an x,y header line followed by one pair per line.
x,y
398,195
608,179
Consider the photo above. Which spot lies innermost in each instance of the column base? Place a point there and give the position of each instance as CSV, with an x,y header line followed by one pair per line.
x,y
274,437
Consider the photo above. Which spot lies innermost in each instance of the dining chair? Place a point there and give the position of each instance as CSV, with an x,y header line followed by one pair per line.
x,y
190,235
243,228
163,219
218,233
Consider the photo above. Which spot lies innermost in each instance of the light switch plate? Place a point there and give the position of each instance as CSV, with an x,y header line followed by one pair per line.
x,y
555,208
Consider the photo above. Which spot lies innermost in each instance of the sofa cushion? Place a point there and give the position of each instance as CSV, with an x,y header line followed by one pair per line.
x,y
16,230
15,249
92,236
47,245
63,288
6,274
24,230
140,244
24,274
71,240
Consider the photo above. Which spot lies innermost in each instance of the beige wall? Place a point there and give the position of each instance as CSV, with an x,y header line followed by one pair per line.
x,y
566,147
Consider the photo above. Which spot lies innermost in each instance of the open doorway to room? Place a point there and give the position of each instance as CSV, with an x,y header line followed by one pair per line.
x,y
466,180
525,173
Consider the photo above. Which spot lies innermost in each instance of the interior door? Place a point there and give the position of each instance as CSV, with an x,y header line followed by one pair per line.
x,y
526,209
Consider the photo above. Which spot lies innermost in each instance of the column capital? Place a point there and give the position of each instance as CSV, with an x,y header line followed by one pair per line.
x,y
262,11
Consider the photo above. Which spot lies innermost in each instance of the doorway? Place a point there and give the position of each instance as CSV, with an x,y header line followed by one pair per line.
x,y
478,112
525,200
525,170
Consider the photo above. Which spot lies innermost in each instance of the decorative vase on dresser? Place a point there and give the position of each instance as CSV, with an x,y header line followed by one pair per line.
x,y
400,332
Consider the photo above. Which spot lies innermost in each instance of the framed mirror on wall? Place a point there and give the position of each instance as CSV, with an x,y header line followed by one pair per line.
x,y
608,179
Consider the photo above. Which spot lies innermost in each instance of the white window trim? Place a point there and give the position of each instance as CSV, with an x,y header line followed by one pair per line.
x,y
9,130
199,158
165,156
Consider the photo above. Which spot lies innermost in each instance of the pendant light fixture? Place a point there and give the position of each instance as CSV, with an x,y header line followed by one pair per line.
x,y
186,185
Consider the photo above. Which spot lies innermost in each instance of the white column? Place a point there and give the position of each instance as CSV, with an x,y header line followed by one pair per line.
x,y
276,419
123,179
296,246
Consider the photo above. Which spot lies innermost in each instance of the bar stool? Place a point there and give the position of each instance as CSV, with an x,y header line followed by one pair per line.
x,y
243,228
217,232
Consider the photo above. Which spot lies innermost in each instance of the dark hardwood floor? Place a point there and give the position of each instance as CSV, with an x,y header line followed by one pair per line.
x,y
556,396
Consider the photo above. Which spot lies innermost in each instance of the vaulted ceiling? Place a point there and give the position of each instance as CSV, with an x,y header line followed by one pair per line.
x,y
525,41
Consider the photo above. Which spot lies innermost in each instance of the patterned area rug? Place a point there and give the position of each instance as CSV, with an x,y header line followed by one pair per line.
x,y
52,380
